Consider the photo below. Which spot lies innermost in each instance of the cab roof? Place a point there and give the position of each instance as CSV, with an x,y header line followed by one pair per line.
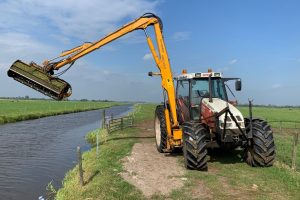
x,y
186,76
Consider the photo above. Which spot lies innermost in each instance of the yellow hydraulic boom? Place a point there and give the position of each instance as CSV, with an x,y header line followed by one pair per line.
x,y
160,56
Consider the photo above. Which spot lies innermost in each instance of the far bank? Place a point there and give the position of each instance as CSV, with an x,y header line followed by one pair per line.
x,y
13,110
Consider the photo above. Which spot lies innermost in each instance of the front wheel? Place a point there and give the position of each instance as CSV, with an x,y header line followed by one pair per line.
x,y
261,153
194,146
160,129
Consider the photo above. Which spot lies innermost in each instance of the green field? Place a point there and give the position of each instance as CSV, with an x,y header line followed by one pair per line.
x,y
18,110
229,178
274,115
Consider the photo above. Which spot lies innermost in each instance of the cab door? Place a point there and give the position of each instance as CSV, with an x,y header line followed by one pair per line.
x,y
183,100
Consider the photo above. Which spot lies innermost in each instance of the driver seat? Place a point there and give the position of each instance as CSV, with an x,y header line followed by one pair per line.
x,y
183,110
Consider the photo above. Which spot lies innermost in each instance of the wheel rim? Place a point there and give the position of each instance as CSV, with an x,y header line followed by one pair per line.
x,y
157,131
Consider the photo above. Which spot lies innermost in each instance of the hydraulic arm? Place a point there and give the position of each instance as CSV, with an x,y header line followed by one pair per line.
x,y
42,79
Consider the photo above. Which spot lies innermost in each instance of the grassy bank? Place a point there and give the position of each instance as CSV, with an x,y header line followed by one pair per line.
x,y
18,110
228,176
102,174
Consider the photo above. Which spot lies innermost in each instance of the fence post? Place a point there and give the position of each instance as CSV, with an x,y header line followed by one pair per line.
x,y
280,127
79,156
122,123
103,119
295,142
107,127
98,132
97,142
132,119
111,116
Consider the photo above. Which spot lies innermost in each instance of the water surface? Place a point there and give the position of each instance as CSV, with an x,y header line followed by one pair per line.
x,y
35,152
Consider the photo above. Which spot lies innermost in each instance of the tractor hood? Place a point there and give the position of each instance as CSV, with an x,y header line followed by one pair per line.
x,y
218,105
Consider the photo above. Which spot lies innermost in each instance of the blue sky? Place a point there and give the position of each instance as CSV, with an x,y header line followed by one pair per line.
x,y
258,41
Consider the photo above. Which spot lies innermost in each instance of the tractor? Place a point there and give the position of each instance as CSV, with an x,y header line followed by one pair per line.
x,y
209,120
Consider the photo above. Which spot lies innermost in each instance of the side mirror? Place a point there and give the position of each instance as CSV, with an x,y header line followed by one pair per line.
x,y
154,74
233,102
238,85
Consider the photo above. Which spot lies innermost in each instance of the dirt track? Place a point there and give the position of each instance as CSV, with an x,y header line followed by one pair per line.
x,y
150,171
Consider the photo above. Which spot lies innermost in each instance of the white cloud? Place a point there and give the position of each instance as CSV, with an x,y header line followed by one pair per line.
x,y
228,66
223,69
62,39
106,72
276,86
233,61
180,36
73,18
22,46
147,56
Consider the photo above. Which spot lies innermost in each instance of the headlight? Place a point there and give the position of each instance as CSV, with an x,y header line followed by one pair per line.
x,y
228,124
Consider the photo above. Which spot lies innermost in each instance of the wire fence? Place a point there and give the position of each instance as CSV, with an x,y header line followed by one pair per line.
x,y
284,125
286,135
119,123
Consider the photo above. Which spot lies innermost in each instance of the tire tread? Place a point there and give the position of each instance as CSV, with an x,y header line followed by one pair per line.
x,y
262,153
194,146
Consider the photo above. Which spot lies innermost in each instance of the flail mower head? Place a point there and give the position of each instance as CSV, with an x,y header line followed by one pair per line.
x,y
35,77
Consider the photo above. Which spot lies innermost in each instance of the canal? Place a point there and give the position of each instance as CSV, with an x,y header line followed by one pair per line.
x,y
36,152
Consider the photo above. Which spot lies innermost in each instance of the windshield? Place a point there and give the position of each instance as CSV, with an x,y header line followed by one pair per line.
x,y
200,89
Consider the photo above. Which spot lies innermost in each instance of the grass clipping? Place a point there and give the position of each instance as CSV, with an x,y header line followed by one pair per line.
x,y
91,137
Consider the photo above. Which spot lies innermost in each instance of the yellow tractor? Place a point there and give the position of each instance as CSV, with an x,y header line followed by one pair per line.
x,y
195,117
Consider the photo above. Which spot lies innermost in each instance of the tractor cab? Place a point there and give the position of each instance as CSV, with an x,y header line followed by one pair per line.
x,y
193,88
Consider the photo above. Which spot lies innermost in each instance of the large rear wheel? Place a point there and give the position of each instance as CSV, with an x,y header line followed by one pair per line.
x,y
194,146
261,153
160,129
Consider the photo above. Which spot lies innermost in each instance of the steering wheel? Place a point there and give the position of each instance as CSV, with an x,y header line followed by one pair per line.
x,y
203,93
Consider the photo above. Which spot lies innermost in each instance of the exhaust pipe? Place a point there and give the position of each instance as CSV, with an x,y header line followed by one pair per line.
x,y
35,77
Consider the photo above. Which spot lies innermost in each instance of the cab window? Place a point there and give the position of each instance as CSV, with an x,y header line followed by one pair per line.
x,y
183,91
